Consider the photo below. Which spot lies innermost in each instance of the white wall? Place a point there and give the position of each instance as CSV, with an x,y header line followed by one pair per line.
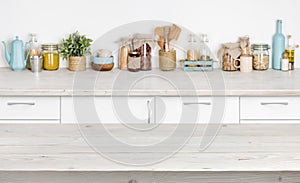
x,y
224,21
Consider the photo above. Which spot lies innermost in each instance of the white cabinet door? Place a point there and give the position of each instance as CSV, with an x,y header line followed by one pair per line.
x,y
197,109
270,108
29,109
107,110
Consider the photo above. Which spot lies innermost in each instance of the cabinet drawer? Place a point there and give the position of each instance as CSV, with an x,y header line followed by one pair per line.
x,y
29,108
172,109
108,110
270,108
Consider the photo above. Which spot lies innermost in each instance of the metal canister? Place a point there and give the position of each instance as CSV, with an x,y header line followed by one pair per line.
x,y
36,64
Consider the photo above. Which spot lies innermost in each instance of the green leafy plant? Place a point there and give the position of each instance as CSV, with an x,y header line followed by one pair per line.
x,y
75,45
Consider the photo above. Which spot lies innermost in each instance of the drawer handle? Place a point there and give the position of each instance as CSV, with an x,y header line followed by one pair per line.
x,y
20,103
197,103
274,103
149,111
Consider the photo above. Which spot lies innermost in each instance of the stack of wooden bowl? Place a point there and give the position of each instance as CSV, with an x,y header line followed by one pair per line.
x,y
103,61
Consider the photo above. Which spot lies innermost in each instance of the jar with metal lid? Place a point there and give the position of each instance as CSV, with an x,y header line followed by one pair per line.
x,y
134,61
261,56
50,56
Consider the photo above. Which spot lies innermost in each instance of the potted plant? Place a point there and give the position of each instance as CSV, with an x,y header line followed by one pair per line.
x,y
75,47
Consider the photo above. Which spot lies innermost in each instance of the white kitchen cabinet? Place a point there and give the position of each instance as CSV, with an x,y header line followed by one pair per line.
x,y
197,110
107,110
149,109
269,109
29,109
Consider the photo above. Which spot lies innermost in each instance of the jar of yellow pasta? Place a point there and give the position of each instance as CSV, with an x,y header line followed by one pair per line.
x,y
50,56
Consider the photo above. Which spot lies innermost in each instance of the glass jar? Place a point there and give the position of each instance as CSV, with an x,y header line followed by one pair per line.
x,y
229,63
134,61
50,56
145,54
261,57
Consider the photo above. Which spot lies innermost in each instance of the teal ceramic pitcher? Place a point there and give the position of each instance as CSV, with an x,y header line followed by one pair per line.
x,y
16,58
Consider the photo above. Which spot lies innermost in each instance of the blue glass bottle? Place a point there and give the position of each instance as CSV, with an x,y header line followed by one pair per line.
x,y
278,46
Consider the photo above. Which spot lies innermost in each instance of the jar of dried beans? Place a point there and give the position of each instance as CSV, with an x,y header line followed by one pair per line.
x,y
261,57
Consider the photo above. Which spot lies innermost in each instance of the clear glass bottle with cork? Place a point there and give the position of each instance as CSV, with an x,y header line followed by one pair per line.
x,y
192,51
34,49
204,49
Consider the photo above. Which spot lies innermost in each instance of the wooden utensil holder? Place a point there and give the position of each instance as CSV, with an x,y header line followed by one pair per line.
x,y
167,60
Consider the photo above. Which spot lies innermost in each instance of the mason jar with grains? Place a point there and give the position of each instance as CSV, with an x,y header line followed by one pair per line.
x,y
50,56
261,57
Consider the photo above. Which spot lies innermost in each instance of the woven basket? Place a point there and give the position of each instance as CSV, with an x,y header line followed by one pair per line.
x,y
77,63
167,60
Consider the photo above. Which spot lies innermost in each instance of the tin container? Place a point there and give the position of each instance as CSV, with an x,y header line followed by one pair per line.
x,y
36,64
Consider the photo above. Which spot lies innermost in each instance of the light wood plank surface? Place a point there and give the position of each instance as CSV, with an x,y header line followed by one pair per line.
x,y
52,147
151,83
149,177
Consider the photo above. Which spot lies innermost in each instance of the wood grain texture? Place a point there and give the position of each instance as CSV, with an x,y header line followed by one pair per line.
x,y
148,177
52,147
61,83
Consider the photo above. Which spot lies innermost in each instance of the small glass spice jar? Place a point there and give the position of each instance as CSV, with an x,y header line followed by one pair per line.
x,y
50,56
261,56
134,61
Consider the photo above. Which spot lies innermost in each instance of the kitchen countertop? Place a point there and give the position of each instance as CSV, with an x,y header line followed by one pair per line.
x,y
149,83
